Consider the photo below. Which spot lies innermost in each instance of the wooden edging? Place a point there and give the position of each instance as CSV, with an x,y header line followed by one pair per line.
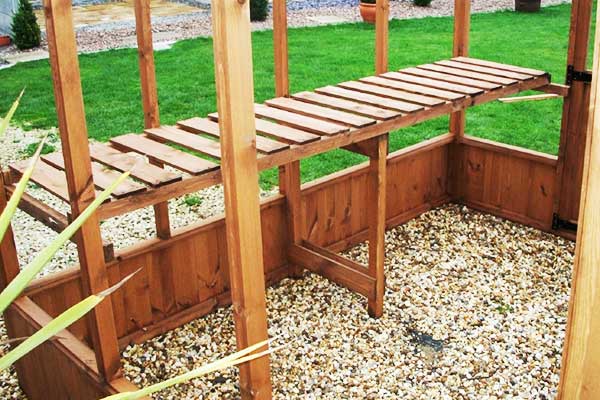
x,y
509,150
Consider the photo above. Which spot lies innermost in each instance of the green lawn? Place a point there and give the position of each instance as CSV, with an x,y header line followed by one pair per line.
x,y
318,56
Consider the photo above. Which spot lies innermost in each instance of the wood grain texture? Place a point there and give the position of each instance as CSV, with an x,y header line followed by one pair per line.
x,y
462,30
581,352
332,212
235,98
73,133
574,117
490,177
382,15
9,260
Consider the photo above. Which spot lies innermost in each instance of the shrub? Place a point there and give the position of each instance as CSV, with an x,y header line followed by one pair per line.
x,y
259,9
422,3
26,31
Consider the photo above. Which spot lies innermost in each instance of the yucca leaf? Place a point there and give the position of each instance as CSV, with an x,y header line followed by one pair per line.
x,y
6,120
14,200
226,362
58,324
17,285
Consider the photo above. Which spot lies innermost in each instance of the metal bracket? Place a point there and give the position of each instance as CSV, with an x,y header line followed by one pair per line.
x,y
561,224
581,76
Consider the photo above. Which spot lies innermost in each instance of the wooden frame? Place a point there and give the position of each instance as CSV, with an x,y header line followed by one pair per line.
x,y
302,228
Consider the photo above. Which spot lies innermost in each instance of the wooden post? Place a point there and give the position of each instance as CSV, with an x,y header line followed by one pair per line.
x,y
73,132
575,117
462,27
289,174
235,103
581,353
381,36
143,28
9,261
280,46
376,214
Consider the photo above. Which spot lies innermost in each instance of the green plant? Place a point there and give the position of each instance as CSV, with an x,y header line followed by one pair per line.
x,y
422,3
192,200
259,9
26,31
31,148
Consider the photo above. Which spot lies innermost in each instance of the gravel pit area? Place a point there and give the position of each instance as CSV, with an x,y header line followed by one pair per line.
x,y
475,308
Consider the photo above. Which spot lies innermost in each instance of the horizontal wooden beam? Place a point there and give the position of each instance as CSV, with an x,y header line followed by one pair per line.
x,y
510,150
555,88
52,218
322,263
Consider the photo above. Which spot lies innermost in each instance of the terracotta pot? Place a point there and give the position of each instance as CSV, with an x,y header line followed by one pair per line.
x,y
4,40
527,5
367,12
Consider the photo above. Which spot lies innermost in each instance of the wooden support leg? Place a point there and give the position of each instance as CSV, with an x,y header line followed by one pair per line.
x,y
78,168
289,185
462,26
143,27
9,262
376,203
235,104
581,353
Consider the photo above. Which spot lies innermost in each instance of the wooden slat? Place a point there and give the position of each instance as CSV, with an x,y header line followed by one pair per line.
x,y
186,139
452,78
326,113
139,169
208,127
372,85
410,87
299,121
46,176
452,87
468,74
284,133
103,177
484,70
347,105
371,99
165,154
495,65
338,273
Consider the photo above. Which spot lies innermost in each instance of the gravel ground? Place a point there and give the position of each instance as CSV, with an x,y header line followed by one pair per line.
x,y
120,34
475,308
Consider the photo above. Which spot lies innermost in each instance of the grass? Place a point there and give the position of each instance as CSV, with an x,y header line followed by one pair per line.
x,y
318,56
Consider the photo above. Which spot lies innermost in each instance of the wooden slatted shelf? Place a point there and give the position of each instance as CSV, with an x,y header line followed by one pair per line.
x,y
289,129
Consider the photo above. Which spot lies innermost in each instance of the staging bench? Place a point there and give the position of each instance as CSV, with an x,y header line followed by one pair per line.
x,y
355,115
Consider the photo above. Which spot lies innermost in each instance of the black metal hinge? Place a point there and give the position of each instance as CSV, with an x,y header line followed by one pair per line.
x,y
561,224
573,75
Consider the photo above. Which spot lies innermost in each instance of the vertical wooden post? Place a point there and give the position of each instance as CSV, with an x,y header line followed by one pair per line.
x,y
73,132
280,46
9,261
575,116
376,213
235,103
289,174
462,27
581,353
381,36
143,28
